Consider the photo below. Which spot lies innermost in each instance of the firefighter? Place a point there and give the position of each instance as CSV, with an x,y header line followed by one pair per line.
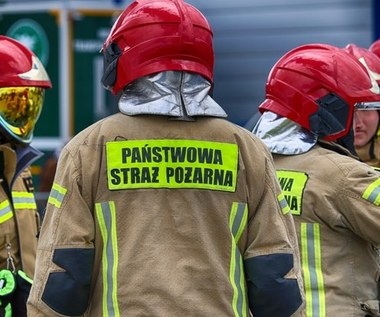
x,y
311,95
367,123
23,81
165,208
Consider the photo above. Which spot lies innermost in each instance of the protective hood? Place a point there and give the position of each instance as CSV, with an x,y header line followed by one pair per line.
x,y
283,136
170,93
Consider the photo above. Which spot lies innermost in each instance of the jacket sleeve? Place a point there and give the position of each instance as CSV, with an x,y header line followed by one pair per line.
x,y
65,250
359,200
271,261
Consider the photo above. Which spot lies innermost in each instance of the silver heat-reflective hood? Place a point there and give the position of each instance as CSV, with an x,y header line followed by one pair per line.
x,y
283,136
170,93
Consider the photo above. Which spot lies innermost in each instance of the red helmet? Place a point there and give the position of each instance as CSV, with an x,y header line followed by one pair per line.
x,y
370,60
151,36
23,81
318,86
375,48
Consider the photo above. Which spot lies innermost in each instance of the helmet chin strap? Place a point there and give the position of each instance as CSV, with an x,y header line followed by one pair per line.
x,y
348,142
372,141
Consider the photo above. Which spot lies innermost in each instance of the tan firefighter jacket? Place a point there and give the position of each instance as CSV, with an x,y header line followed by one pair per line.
x,y
18,211
335,203
150,216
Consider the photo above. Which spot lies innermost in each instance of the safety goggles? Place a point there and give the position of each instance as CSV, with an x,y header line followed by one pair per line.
x,y
20,108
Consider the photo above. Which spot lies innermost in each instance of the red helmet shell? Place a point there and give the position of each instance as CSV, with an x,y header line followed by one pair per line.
x,y
306,74
159,35
19,66
375,48
369,59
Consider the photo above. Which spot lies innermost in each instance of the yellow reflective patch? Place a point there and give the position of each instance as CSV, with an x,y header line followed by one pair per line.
x,y
238,222
292,185
283,204
172,164
6,212
310,248
106,215
6,217
57,194
372,193
24,200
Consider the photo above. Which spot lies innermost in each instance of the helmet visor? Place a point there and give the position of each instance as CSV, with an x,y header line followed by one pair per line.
x,y
375,105
20,108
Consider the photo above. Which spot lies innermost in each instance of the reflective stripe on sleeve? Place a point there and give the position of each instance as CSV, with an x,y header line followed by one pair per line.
x,y
372,193
57,195
238,221
283,204
24,200
105,213
312,270
5,211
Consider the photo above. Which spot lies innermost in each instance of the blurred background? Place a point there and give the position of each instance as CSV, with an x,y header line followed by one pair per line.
x,y
249,37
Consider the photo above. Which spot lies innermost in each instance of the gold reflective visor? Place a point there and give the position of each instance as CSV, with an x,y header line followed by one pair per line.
x,y
20,108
